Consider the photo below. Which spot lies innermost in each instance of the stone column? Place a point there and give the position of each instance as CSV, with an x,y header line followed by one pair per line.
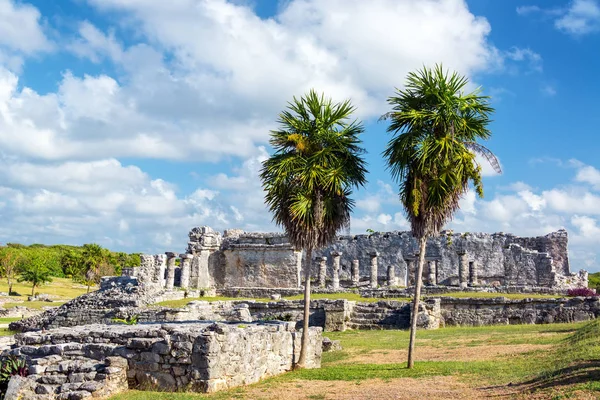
x,y
186,265
160,263
336,269
431,267
322,271
410,272
473,273
355,272
391,276
373,256
170,270
463,269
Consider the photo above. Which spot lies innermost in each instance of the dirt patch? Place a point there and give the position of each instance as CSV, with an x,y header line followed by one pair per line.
x,y
443,387
427,353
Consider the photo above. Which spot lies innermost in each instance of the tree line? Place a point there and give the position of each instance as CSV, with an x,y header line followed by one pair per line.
x,y
37,264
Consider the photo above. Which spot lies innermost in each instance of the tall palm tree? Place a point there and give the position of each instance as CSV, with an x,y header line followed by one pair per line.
x,y
309,179
431,155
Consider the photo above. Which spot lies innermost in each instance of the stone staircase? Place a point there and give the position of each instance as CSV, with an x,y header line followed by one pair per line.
x,y
380,315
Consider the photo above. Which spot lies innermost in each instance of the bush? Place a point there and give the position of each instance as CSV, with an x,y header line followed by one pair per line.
x,y
582,292
10,366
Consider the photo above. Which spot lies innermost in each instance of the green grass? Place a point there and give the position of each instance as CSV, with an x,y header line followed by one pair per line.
x,y
594,280
6,332
356,297
183,302
346,296
36,305
8,320
572,363
63,288
484,295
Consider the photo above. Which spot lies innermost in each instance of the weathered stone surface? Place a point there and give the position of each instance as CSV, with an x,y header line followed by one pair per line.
x,y
267,260
331,345
201,357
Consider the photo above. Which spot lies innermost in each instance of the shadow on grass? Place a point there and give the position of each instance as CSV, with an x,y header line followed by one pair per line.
x,y
582,372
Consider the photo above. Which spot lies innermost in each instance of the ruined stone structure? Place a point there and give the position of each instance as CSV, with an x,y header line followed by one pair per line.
x,y
100,360
267,260
331,315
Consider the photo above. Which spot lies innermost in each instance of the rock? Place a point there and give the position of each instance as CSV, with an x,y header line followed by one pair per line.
x,y
331,345
275,296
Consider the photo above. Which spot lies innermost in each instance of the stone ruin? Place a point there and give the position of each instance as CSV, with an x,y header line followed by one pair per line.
x,y
101,360
241,260
78,350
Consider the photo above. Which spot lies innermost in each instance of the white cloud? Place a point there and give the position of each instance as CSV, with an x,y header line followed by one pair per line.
x,y
20,28
548,90
525,10
533,59
582,16
94,44
589,174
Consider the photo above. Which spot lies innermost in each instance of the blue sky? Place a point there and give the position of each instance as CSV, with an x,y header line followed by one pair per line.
x,y
128,122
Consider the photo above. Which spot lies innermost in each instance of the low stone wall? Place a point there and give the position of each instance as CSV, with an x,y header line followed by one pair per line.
x,y
100,360
503,311
386,293
389,314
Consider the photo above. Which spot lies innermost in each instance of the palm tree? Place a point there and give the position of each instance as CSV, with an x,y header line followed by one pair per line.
x,y
93,257
309,179
431,155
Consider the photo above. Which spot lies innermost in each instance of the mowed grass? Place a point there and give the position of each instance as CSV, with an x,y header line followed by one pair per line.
x,y
484,295
567,363
357,297
61,288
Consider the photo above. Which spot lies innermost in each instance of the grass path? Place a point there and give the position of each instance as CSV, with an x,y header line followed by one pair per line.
x,y
555,361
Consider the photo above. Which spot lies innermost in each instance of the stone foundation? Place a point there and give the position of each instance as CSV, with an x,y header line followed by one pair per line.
x,y
100,360
503,311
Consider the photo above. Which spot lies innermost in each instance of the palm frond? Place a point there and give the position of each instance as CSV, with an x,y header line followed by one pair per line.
x,y
434,127
317,162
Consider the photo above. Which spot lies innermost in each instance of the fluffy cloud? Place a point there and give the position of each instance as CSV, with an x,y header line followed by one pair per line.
x,y
578,18
583,16
203,81
21,33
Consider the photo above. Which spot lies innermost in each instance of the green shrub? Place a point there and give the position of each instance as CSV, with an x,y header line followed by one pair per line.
x,y
9,367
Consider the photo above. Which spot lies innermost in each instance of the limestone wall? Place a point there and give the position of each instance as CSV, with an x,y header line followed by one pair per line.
x,y
101,359
267,260
503,311
259,260
500,259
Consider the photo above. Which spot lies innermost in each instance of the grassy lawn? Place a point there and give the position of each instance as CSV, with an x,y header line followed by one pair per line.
x,y
347,296
483,295
552,361
63,288
8,320
358,298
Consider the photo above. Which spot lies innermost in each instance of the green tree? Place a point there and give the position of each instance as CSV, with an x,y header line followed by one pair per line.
x,y
431,155
310,177
94,258
70,262
35,271
10,262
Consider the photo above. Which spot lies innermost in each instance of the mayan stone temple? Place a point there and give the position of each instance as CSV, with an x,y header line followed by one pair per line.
x,y
241,260
77,350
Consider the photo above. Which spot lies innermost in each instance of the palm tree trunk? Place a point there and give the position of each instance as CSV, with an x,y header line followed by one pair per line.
x,y
304,341
33,290
415,309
